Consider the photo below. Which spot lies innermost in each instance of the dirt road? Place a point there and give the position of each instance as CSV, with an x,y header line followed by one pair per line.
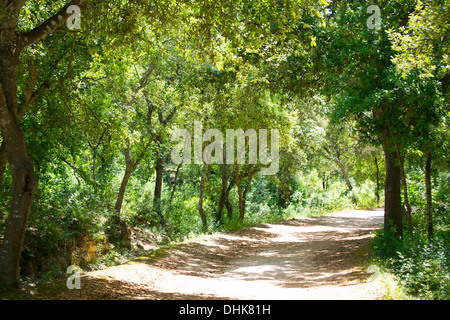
x,y
308,258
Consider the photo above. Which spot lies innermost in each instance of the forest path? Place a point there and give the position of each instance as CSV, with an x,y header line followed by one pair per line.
x,y
306,258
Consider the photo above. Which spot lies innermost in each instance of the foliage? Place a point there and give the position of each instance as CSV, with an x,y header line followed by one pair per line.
x,y
102,102
425,270
423,267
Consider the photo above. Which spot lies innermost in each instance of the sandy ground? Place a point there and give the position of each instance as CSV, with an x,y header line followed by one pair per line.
x,y
308,258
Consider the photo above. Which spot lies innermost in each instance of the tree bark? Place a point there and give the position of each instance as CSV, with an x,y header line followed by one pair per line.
x,y
159,157
392,194
241,198
21,164
159,180
324,182
403,179
429,206
284,189
3,163
129,168
250,175
406,200
377,190
175,183
202,193
123,187
24,187
405,190
223,194
243,194
227,200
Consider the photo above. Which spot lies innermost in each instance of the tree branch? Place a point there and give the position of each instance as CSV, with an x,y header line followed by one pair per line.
x,y
9,16
70,62
170,116
445,80
48,26
28,93
144,80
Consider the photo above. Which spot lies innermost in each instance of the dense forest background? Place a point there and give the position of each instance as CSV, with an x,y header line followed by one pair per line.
x,y
88,105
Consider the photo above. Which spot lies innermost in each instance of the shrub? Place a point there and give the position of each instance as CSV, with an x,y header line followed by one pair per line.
x,y
425,270
385,245
422,267
365,195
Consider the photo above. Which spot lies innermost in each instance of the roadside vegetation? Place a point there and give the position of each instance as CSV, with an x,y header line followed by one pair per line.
x,y
352,100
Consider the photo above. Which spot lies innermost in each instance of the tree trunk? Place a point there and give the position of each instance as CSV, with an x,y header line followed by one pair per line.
x,y
250,175
405,191
130,167
377,190
227,199
223,194
22,170
20,163
159,157
175,182
202,193
324,182
24,188
158,181
241,197
123,186
406,201
392,194
428,187
390,134
346,178
284,189
243,194
3,163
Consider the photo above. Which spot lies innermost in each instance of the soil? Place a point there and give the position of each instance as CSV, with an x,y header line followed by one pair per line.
x,y
306,258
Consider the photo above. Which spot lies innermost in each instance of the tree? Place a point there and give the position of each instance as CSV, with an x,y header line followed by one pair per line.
x,y
201,196
337,144
12,43
106,26
17,33
362,77
422,48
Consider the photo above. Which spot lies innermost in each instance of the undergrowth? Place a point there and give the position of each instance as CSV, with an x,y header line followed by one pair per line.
x,y
418,267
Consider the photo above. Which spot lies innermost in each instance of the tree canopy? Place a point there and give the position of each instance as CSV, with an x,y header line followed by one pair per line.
x,y
346,98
